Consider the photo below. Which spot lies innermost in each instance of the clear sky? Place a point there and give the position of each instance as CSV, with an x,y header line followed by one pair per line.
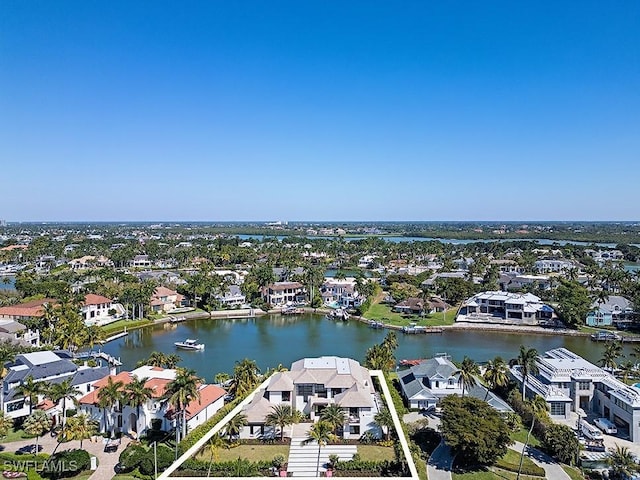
x,y
305,110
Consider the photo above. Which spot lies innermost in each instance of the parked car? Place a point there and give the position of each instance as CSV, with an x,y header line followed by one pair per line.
x,y
605,425
28,449
112,445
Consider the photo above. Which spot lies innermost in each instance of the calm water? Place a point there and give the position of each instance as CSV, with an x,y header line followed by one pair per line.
x,y
271,340
7,282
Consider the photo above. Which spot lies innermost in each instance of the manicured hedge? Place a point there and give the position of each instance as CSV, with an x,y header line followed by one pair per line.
x,y
66,463
237,468
200,431
369,468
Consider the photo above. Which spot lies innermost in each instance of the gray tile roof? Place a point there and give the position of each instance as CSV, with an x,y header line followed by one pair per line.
x,y
412,386
438,367
87,375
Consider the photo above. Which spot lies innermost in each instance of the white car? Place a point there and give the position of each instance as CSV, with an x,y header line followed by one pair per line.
x,y
605,425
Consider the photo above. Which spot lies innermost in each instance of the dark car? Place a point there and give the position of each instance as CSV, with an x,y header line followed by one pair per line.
x,y
28,449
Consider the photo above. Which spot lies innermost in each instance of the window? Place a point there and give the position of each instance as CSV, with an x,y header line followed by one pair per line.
x,y
321,391
584,385
12,407
354,429
266,395
286,396
304,391
557,408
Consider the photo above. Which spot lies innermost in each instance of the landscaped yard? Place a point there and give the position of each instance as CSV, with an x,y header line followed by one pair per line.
x,y
521,436
375,453
573,472
119,326
384,313
253,453
14,436
511,460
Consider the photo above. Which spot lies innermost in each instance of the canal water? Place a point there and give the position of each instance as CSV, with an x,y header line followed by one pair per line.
x,y
274,339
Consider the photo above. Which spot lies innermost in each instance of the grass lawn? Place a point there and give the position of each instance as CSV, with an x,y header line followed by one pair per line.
x,y
375,453
253,453
521,436
383,313
512,458
118,326
573,472
15,436
495,474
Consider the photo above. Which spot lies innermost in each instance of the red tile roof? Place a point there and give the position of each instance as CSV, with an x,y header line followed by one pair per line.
x,y
157,385
93,299
34,308
208,395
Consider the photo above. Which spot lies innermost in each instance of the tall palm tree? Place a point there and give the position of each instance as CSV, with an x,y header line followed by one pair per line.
x,y
622,463
335,416
385,421
281,415
538,409
36,424
320,432
234,426
468,372
80,427
180,392
495,374
215,443
528,366
136,394
93,335
171,361
63,391
109,396
31,390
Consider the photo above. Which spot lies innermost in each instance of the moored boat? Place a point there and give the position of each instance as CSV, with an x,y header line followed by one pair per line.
x,y
604,336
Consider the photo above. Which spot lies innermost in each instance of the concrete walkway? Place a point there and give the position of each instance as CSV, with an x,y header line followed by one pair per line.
x,y
439,464
552,469
95,447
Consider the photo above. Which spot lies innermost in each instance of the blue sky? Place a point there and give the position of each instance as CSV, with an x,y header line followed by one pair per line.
x,y
217,110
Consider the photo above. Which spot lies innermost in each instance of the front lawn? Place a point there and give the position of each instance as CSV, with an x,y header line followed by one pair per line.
x,y
253,453
120,325
383,313
375,453
15,436
521,436
573,472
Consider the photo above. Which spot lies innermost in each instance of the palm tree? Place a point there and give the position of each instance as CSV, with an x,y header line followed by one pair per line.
x,y
109,396
234,426
172,360
335,416
63,391
627,369
156,359
31,390
320,432
495,374
246,375
6,423
281,416
136,395
385,421
527,362
36,424
612,350
215,443
180,392
80,427
93,335
468,372
538,408
622,463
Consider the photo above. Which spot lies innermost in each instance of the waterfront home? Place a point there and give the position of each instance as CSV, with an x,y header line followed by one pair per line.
x,y
568,383
47,367
25,312
413,306
507,266
232,297
99,310
155,412
616,310
427,382
309,386
16,333
165,300
505,307
280,293
340,293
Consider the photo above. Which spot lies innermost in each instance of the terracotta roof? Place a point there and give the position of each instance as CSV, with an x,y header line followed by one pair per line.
x,y
33,308
45,405
93,299
157,385
208,395
164,292
14,247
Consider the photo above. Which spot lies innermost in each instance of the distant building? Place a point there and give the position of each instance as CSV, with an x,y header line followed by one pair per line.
x,y
505,307
553,266
165,300
615,311
280,293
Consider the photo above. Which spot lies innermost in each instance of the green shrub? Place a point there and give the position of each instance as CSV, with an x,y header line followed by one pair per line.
x,y
237,468
164,456
132,456
534,470
71,412
202,429
66,463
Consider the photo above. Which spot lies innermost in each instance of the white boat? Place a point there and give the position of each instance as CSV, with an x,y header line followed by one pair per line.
x,y
190,344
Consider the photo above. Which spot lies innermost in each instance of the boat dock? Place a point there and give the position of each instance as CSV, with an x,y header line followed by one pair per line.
x,y
418,330
177,319
113,361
